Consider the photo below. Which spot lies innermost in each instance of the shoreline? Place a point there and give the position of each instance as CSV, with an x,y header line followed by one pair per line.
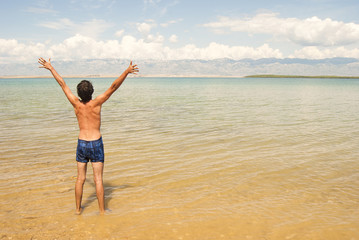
x,y
115,76
181,76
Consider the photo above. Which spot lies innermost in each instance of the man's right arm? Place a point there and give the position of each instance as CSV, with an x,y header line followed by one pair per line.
x,y
70,96
116,84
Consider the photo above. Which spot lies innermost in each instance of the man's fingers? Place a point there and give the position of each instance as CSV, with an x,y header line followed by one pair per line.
x,y
41,60
134,68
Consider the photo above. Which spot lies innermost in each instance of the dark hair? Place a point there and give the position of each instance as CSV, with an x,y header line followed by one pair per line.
x,y
85,90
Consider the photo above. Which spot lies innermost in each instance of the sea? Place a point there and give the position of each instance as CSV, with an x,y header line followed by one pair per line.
x,y
185,158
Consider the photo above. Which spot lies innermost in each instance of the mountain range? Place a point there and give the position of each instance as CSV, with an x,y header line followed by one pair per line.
x,y
217,67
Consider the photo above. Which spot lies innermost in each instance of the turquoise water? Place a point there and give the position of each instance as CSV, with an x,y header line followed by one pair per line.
x,y
187,158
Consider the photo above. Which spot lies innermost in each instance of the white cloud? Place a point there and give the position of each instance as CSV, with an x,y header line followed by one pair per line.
x,y
63,23
13,51
318,53
91,28
158,6
151,47
307,32
41,7
83,47
151,1
146,27
156,39
40,10
119,33
173,38
166,24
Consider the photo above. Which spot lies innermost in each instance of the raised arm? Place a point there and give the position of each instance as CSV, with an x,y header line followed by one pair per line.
x,y
70,96
116,84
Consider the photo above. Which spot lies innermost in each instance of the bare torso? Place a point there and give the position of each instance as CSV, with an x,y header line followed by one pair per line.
x,y
89,119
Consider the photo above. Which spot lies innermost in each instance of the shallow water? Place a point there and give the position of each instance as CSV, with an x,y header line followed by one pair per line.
x,y
186,158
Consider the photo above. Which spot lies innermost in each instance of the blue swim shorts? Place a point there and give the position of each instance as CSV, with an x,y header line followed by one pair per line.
x,y
90,150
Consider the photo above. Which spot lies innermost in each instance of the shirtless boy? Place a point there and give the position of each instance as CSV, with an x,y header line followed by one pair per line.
x,y
90,145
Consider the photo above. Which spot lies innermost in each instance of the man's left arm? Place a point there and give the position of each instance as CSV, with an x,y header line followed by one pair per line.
x,y
70,96
116,84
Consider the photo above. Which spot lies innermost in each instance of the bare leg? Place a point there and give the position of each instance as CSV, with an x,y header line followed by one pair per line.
x,y
97,175
81,177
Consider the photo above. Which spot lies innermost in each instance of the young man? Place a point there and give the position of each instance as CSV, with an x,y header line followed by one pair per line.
x,y
88,113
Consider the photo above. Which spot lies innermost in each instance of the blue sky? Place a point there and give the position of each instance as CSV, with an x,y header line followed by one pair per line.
x,y
178,29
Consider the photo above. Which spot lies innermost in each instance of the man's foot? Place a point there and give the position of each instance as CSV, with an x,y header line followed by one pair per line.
x,y
78,212
106,212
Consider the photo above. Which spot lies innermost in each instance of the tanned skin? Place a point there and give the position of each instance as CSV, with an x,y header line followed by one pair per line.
x,y
89,119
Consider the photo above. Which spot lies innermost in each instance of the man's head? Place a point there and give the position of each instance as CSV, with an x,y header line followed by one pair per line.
x,y
85,90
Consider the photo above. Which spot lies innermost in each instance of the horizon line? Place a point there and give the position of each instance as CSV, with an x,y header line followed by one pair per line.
x,y
180,76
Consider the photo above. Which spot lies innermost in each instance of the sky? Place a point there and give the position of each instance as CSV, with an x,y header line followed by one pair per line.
x,y
177,29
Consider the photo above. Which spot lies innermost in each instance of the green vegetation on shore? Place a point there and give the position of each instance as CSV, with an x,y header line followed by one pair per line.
x,y
298,76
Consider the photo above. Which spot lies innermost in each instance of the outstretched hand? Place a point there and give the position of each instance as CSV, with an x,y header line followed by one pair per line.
x,y
45,64
132,68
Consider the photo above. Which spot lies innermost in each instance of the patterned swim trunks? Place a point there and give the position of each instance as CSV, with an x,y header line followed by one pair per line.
x,y
90,150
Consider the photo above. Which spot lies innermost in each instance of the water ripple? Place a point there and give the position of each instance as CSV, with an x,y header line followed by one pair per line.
x,y
201,152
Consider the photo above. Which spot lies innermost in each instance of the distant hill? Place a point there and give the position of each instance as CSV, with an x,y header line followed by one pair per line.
x,y
217,67
297,76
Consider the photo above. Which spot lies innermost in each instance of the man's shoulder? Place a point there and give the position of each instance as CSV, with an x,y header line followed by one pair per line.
x,y
92,104
96,102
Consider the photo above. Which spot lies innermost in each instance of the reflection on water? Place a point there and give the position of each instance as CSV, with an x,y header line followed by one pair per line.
x,y
186,159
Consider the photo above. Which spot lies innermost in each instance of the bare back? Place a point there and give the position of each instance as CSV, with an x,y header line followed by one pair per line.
x,y
88,114
89,119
